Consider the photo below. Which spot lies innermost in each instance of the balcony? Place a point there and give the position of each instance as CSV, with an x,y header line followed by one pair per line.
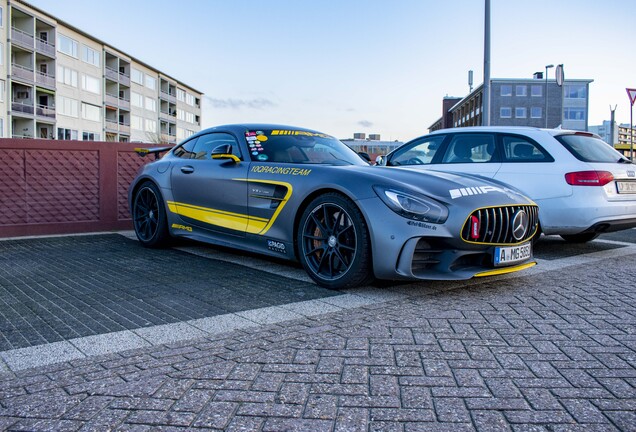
x,y
167,96
23,72
115,75
45,79
112,125
167,116
45,111
22,107
117,101
22,38
124,128
44,47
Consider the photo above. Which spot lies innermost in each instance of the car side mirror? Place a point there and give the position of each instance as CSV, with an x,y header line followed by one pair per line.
x,y
224,152
380,160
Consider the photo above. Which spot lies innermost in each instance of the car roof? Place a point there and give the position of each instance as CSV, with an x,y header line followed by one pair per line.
x,y
510,129
242,127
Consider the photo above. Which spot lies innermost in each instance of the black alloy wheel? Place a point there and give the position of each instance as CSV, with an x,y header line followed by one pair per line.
x,y
334,244
149,218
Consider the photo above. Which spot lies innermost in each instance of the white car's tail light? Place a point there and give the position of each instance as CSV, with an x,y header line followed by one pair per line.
x,y
589,178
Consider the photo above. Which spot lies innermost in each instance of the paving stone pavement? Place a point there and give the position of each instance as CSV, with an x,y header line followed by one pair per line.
x,y
551,351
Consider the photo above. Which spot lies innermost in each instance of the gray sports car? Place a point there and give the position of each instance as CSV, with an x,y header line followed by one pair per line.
x,y
305,196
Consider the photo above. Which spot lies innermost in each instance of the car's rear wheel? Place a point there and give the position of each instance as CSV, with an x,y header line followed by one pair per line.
x,y
149,216
579,238
333,243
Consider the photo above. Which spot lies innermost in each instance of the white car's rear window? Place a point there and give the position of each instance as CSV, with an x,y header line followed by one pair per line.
x,y
588,148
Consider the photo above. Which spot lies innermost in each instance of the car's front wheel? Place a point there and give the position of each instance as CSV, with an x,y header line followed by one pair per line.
x,y
333,243
579,238
149,216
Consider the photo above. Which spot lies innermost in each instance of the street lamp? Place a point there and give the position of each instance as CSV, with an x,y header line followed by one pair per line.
x,y
546,93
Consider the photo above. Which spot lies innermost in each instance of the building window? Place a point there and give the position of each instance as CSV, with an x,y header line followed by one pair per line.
x,y
151,104
181,95
520,112
66,134
91,112
521,90
536,112
137,76
90,56
136,99
1,21
90,136
68,107
151,125
536,90
67,45
574,113
180,114
506,90
1,54
67,76
505,112
91,84
575,91
136,122
190,99
1,128
2,90
151,82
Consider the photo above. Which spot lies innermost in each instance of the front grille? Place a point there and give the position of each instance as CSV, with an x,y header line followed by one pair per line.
x,y
495,224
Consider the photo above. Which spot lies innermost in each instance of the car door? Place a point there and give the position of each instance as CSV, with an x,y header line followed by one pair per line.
x,y
473,153
210,193
530,168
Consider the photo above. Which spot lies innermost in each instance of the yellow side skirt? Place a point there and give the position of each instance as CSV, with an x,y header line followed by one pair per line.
x,y
505,270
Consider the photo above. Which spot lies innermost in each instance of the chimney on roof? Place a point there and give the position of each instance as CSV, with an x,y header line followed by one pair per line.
x,y
538,75
374,137
359,135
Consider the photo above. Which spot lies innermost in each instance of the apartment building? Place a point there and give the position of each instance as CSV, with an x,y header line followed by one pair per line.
x,y
62,83
522,102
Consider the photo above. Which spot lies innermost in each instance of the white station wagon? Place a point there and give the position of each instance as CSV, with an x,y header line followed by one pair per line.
x,y
582,185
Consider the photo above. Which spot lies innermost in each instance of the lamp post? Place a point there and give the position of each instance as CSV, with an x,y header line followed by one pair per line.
x,y
546,93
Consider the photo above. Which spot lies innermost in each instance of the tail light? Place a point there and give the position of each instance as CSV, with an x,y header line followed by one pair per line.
x,y
589,178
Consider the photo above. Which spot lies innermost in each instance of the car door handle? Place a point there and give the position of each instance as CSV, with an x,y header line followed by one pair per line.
x,y
187,169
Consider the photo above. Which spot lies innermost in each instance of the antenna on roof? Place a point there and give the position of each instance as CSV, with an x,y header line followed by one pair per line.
x,y
470,81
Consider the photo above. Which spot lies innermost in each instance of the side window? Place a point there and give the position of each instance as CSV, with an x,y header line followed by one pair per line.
x,y
185,151
520,149
469,148
206,143
418,153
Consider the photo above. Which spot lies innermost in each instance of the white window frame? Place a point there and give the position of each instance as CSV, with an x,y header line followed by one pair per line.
x,y
86,78
537,87
521,112
136,73
151,104
523,92
88,110
65,74
136,123
74,46
501,112
3,88
501,90
150,125
136,99
532,112
67,106
150,82
91,56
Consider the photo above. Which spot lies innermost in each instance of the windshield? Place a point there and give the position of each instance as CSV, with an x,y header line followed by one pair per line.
x,y
299,147
588,148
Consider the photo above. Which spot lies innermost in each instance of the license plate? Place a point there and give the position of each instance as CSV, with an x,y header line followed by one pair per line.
x,y
512,254
624,187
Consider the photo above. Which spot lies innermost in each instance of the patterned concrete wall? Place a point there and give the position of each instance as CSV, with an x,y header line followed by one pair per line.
x,y
55,187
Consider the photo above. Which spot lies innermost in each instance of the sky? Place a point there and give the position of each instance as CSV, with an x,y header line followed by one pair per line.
x,y
372,66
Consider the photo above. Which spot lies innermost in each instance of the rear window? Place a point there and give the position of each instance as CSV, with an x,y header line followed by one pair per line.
x,y
588,148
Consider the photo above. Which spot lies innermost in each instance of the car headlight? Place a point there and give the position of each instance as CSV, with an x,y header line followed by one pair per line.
x,y
409,205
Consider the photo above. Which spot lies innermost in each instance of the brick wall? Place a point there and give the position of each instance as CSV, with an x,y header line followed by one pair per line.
x,y
59,187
